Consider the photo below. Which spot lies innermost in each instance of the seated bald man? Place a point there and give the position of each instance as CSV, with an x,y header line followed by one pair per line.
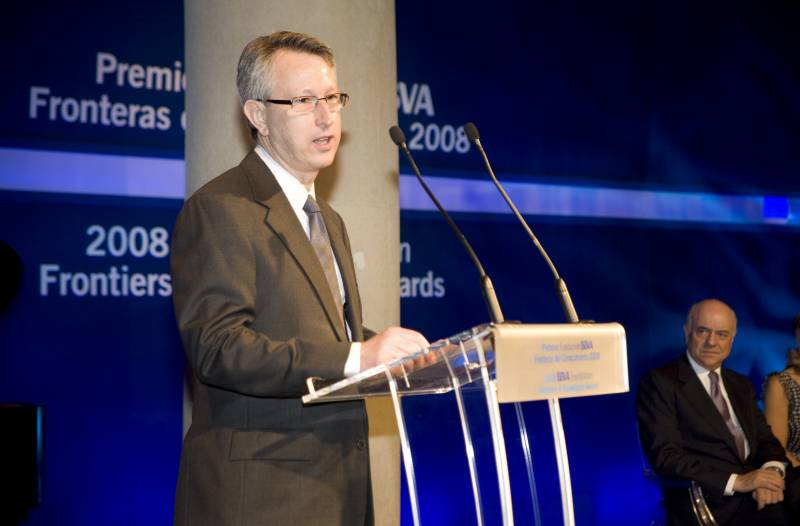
x,y
699,421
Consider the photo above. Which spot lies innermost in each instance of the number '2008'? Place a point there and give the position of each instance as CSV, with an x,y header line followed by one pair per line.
x,y
137,241
433,137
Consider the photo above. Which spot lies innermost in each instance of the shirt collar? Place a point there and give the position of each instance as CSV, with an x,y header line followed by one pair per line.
x,y
294,190
698,369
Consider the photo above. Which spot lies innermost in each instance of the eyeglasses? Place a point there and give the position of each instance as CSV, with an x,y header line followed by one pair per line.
x,y
308,103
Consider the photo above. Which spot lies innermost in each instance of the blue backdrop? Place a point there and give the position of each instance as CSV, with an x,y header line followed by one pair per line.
x,y
650,145
640,107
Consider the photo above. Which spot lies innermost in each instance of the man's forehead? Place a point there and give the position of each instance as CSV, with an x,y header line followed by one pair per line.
x,y
295,71
714,316
291,58
723,328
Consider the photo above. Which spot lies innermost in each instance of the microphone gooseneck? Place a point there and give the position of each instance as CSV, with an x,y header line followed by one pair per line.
x,y
561,286
489,296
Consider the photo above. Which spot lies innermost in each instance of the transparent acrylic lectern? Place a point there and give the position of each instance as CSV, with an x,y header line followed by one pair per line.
x,y
509,363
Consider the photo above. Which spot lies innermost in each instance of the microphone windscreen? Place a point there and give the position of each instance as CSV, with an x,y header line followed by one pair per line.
x,y
472,132
397,135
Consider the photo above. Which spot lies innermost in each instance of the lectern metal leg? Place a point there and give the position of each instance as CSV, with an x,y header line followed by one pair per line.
x,y
500,459
473,471
462,413
563,462
408,461
526,450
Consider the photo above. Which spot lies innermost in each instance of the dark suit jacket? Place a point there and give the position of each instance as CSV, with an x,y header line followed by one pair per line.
x,y
685,437
257,318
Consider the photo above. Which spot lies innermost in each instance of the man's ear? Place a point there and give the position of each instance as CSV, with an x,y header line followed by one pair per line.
x,y
686,331
256,115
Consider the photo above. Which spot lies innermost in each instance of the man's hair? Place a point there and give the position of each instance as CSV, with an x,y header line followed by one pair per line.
x,y
253,78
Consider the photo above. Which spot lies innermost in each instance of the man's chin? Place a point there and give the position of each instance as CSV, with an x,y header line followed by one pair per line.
x,y
324,159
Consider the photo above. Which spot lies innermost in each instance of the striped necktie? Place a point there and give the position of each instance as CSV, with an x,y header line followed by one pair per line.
x,y
722,407
322,246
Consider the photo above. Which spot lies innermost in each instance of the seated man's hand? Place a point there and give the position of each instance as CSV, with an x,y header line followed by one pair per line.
x,y
767,479
389,345
767,496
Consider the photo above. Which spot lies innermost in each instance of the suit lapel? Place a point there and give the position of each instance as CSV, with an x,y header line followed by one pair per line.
x,y
741,406
282,220
342,253
697,395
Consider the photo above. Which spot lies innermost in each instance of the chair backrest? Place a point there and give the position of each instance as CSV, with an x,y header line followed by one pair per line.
x,y
702,514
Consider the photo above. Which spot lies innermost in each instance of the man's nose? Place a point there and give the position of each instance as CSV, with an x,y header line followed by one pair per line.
x,y
323,116
711,339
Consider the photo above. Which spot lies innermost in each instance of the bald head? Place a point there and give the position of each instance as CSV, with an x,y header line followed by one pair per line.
x,y
713,304
709,330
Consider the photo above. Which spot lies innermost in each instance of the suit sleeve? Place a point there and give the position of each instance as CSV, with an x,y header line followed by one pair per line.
x,y
660,435
214,280
764,445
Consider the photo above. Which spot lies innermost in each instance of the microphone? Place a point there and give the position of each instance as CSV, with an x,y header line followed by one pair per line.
x,y
492,305
561,286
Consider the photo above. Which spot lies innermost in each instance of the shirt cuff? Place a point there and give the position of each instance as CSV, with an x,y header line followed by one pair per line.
x,y
353,364
776,464
771,464
729,486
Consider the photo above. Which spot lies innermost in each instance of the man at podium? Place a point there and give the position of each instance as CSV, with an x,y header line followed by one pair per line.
x,y
265,296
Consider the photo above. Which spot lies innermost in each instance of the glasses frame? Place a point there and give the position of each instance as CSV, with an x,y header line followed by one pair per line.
x,y
344,98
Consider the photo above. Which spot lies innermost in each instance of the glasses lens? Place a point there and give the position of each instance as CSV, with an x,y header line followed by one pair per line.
x,y
307,104
335,101
304,104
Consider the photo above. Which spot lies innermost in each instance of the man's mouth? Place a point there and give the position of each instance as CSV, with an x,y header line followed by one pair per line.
x,y
325,139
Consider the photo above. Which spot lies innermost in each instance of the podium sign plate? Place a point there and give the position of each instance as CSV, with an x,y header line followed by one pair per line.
x,y
539,362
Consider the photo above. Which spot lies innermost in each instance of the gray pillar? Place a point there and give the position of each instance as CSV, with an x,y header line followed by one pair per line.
x,y
361,185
